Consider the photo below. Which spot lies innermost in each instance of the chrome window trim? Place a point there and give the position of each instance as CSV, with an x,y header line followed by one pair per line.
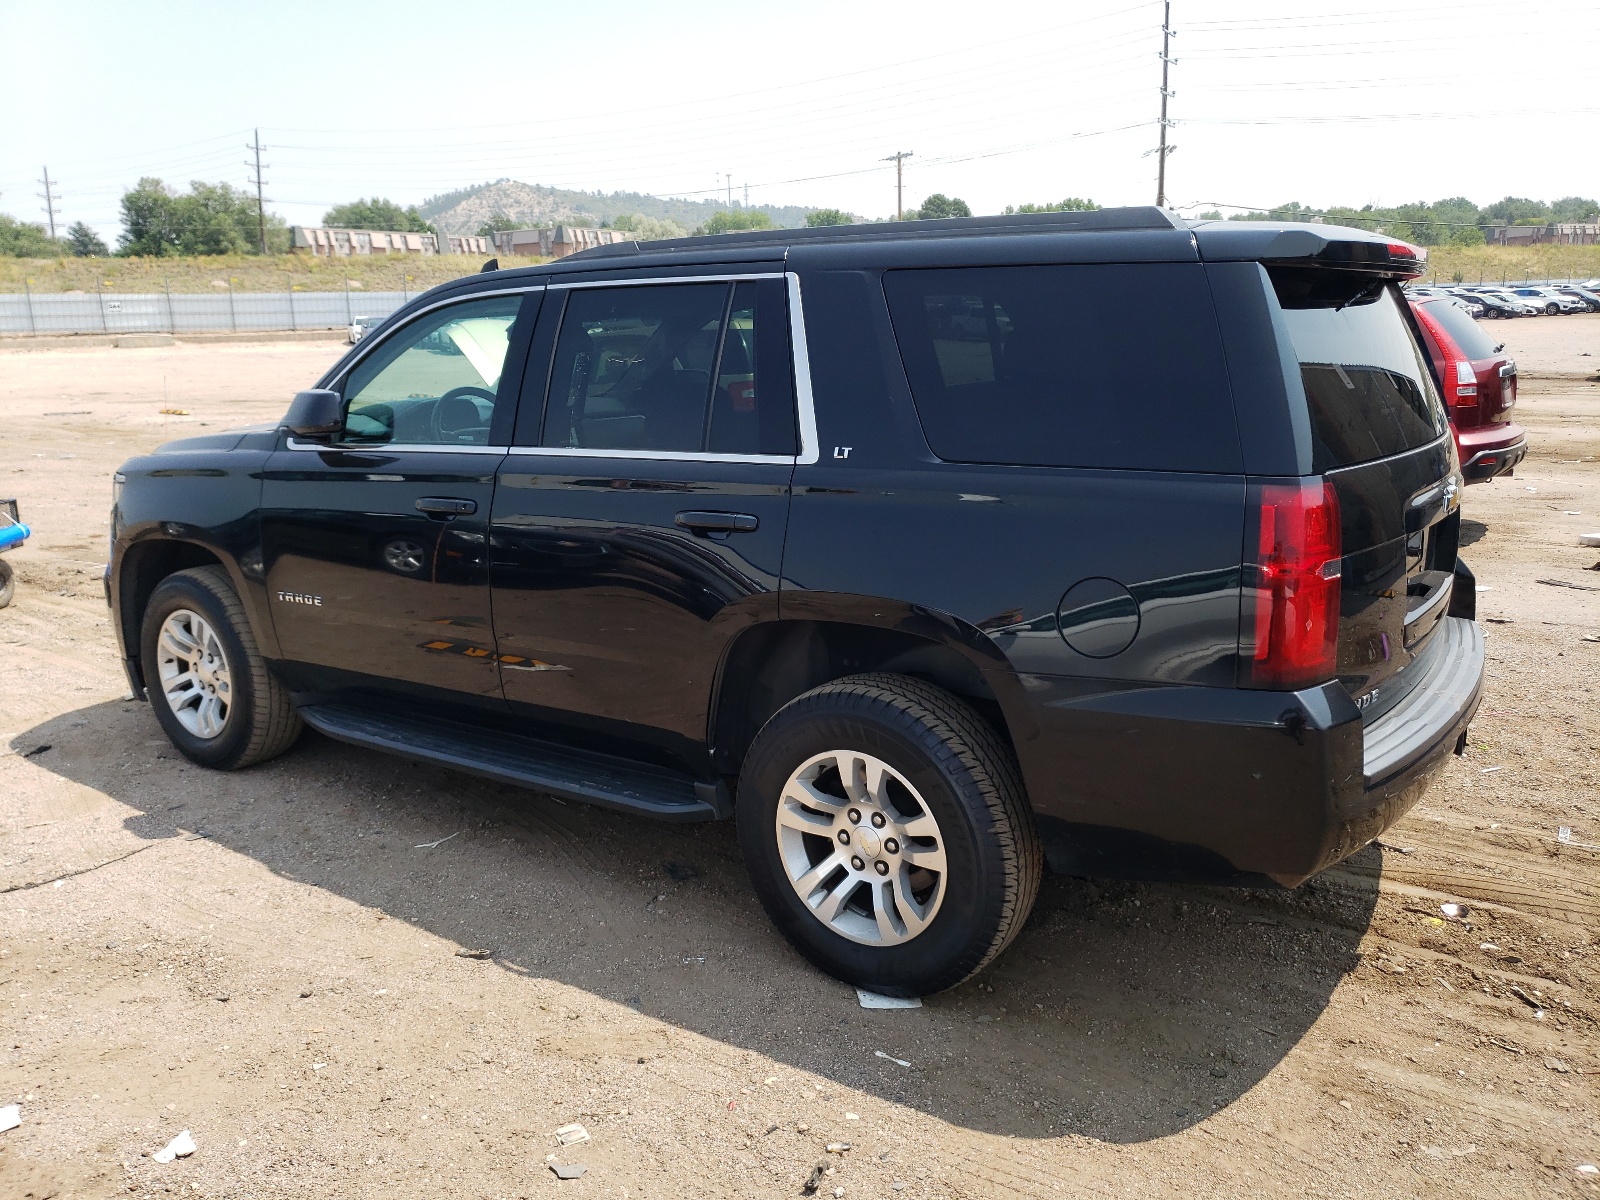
x,y
387,448
805,408
640,282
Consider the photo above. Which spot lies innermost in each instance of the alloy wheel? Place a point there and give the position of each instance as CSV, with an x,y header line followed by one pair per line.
x,y
194,672
861,848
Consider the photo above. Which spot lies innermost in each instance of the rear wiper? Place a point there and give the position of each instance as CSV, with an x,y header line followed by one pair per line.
x,y
1365,293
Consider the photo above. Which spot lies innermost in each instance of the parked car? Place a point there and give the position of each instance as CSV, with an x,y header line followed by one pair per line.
x,y
1520,304
1549,302
1494,307
359,328
769,526
1479,383
1591,299
1472,307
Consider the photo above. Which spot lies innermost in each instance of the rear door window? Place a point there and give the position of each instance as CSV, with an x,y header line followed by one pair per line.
x,y
1368,388
1116,366
685,368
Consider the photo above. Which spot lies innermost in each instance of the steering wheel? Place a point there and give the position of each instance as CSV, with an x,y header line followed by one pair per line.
x,y
440,434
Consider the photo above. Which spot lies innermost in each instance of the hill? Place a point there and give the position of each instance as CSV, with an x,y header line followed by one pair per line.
x,y
463,211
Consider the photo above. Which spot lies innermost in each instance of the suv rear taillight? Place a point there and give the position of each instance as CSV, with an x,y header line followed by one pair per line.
x,y
1466,381
1292,612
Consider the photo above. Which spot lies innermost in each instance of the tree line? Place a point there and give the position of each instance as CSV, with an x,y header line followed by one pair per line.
x,y
1453,222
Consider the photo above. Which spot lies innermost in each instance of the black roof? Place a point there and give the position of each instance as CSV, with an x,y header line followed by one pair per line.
x,y
1158,233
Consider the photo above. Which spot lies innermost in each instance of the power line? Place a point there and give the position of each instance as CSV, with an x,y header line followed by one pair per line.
x,y
49,199
261,202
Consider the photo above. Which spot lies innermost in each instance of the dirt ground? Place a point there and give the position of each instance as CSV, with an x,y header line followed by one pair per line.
x,y
272,959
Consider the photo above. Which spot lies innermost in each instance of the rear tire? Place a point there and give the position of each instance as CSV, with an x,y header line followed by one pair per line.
x,y
210,689
916,872
8,583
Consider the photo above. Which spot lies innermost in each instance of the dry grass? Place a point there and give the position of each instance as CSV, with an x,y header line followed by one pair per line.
x,y
1512,264
248,273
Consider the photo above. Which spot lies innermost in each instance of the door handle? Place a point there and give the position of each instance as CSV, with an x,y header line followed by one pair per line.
x,y
717,522
447,506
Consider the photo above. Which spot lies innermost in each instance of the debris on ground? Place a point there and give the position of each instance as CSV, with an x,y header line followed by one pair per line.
x,y
1562,583
900,1061
1563,833
10,1117
680,872
1453,910
440,842
39,749
814,1180
179,1147
478,954
571,1135
1589,539
1587,1169
838,1147
874,1000
568,1170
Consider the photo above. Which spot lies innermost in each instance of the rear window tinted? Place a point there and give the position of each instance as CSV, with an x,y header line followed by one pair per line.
x,y
1115,366
1369,393
1474,342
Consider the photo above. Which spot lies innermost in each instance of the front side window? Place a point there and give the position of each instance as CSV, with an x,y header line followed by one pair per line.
x,y
1114,366
434,382
686,368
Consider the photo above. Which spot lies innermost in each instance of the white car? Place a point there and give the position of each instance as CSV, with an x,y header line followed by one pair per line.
x,y
360,327
1548,302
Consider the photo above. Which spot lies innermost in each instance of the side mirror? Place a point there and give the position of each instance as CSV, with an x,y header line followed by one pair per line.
x,y
317,414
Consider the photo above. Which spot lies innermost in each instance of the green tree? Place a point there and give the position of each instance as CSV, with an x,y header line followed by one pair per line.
x,y
1575,209
498,223
818,218
1513,210
733,220
939,206
379,214
84,242
211,218
1070,204
23,239
649,229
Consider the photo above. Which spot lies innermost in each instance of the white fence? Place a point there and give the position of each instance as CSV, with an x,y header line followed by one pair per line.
x,y
122,312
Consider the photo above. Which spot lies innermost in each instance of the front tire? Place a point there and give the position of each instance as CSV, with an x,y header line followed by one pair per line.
x,y
887,834
211,691
8,583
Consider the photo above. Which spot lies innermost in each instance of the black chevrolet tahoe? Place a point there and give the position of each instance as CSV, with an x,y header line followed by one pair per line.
x,y
929,553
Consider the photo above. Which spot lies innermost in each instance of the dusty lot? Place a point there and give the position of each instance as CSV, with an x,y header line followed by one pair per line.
x,y
270,959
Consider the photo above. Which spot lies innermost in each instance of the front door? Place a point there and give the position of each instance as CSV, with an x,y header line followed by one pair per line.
x,y
375,546
641,526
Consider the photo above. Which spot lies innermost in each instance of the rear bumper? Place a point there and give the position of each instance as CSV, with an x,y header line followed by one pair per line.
x,y
1237,786
1490,451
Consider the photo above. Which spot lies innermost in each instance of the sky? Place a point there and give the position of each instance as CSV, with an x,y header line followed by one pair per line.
x,y
1006,103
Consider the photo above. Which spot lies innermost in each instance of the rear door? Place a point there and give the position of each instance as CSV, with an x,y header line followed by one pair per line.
x,y
375,547
640,526
1379,433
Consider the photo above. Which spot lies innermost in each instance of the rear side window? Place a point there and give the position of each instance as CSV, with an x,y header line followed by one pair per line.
x,y
699,367
1463,330
1368,388
1115,366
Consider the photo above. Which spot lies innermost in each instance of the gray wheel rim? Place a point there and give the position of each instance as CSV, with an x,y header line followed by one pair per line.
x,y
195,677
861,848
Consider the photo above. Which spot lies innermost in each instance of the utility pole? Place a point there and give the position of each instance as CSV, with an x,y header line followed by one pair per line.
x,y
730,188
1163,150
49,197
899,161
747,195
261,203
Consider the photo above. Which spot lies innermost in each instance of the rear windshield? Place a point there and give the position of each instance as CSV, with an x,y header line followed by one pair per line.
x,y
1368,389
1116,366
1463,330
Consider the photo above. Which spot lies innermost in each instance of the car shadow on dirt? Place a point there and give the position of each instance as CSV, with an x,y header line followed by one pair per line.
x,y
1123,1011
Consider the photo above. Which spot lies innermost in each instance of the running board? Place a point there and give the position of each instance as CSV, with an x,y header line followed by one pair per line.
x,y
525,762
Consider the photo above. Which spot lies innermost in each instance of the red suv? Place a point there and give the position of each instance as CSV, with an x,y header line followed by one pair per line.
x,y
1479,382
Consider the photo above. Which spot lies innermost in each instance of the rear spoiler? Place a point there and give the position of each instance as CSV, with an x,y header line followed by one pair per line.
x,y
1332,246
